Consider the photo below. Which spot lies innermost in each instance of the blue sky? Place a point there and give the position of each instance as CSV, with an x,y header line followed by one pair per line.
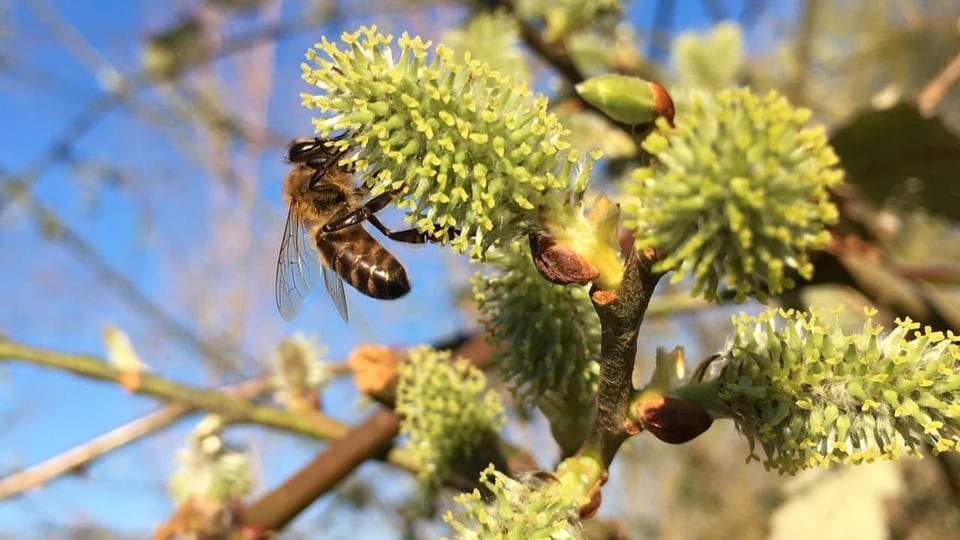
x,y
154,227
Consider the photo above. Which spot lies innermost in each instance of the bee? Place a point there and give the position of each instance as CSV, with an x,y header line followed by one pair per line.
x,y
326,211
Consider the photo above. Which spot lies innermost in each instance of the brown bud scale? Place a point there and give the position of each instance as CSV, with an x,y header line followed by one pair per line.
x,y
673,420
558,263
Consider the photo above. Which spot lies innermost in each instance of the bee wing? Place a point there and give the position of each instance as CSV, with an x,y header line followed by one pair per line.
x,y
334,286
298,267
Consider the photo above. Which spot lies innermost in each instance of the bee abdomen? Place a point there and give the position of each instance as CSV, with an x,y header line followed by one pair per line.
x,y
365,265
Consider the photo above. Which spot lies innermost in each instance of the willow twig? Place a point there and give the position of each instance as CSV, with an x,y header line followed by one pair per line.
x,y
81,455
621,313
796,89
369,440
935,90
277,508
232,409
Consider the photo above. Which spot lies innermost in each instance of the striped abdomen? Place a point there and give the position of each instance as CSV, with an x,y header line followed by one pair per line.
x,y
363,263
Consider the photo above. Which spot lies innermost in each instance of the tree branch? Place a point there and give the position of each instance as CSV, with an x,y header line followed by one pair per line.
x,y
556,56
796,89
276,509
233,409
81,455
621,313
129,291
368,440
935,90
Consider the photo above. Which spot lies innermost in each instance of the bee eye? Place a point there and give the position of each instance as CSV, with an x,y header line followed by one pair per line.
x,y
301,150
295,154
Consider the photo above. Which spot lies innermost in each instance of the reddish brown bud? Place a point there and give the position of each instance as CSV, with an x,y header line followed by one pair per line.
x,y
673,420
558,263
590,508
662,104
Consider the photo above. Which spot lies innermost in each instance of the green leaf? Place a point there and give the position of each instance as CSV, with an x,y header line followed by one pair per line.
x,y
897,153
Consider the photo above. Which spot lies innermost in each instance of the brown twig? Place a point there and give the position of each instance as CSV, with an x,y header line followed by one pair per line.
x,y
79,456
942,274
368,440
277,508
556,56
621,313
882,284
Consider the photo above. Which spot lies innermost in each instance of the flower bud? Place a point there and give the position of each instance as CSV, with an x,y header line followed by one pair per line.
x,y
626,99
673,420
558,263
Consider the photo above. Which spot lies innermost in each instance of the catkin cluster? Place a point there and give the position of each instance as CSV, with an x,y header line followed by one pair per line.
x,y
464,147
738,194
811,395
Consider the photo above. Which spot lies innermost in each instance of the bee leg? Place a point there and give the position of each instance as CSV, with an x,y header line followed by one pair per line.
x,y
409,236
364,213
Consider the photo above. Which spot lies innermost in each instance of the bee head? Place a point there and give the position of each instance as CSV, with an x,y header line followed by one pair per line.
x,y
316,152
303,150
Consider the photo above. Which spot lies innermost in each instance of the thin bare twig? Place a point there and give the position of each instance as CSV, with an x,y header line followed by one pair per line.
x,y
797,87
233,409
941,274
73,40
935,90
125,288
81,455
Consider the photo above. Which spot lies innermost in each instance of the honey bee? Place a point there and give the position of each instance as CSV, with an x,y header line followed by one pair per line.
x,y
326,211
